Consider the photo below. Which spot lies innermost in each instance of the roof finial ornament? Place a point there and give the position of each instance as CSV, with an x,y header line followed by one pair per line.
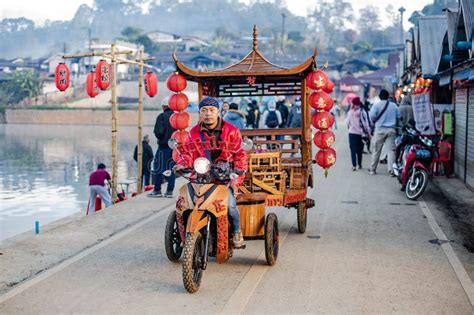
x,y
255,41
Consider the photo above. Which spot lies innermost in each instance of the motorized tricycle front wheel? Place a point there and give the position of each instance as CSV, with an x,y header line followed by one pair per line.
x,y
193,259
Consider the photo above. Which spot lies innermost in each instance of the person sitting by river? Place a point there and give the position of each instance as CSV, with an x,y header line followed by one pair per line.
x,y
97,187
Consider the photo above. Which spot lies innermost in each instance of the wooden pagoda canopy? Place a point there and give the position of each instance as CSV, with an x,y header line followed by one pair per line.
x,y
254,75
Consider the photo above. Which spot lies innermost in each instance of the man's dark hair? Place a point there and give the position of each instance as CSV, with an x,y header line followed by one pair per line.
x,y
101,166
233,106
383,95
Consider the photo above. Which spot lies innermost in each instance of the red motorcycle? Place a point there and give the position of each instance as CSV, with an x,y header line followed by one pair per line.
x,y
416,154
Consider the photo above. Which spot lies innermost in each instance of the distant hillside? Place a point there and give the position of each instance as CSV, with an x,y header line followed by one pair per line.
x,y
21,38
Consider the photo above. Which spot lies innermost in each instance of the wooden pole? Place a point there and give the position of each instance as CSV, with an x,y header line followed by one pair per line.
x,y
199,91
140,124
306,129
114,123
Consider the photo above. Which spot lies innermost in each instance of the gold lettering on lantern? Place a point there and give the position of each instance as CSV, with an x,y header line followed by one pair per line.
x,y
329,141
321,103
105,69
323,123
319,82
104,78
331,159
62,73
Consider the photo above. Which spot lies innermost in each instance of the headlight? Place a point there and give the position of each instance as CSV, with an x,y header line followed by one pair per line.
x,y
202,165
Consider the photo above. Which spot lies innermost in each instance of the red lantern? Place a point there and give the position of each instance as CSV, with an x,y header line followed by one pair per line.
x,y
317,80
324,139
326,158
329,88
180,135
102,74
176,82
61,76
91,87
321,101
180,120
151,84
178,102
322,120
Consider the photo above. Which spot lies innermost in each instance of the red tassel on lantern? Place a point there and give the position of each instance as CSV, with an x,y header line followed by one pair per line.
x,y
322,120
151,84
317,80
180,135
321,101
91,87
178,102
180,120
176,82
103,74
324,139
61,76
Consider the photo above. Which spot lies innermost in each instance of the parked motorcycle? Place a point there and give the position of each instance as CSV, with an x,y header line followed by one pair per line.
x,y
415,154
199,227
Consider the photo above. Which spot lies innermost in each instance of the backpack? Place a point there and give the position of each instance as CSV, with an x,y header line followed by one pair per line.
x,y
272,119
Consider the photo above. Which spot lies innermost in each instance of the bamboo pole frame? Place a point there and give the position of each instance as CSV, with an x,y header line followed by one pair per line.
x,y
112,55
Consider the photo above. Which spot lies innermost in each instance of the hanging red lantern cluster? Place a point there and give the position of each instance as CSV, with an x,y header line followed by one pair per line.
x,y
151,84
103,74
62,76
178,102
422,86
321,101
91,87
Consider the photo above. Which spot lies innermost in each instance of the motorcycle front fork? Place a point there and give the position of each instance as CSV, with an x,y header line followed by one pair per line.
x,y
206,243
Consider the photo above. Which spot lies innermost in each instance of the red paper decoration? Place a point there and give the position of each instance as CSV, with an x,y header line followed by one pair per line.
x,y
178,102
103,74
175,155
62,77
176,82
179,120
317,80
326,158
151,84
91,87
180,135
322,120
321,101
324,139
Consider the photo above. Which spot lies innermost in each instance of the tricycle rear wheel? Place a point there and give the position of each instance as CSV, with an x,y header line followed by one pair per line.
x,y
272,236
302,214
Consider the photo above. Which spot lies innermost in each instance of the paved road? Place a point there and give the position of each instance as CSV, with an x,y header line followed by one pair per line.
x,y
366,250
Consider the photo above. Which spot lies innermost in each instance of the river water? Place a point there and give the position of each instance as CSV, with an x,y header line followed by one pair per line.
x,y
44,170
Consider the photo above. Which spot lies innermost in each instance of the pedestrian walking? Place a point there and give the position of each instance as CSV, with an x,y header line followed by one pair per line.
x,y
271,117
358,125
283,109
97,187
225,108
257,112
163,160
368,139
294,119
385,116
235,117
147,158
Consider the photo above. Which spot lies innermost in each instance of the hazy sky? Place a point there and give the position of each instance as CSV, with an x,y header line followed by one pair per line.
x,y
41,10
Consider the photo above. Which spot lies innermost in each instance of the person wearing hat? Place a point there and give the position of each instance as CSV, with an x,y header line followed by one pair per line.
x,y
358,124
163,160
210,125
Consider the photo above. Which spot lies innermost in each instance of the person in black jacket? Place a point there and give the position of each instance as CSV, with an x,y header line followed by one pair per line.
x,y
147,157
163,158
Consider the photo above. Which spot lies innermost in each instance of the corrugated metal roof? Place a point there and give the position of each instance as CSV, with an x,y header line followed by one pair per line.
x,y
452,15
468,11
432,31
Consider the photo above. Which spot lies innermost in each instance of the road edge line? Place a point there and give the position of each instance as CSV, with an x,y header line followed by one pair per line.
x,y
459,270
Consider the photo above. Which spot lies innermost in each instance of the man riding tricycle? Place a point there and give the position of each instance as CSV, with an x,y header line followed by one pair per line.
x,y
206,221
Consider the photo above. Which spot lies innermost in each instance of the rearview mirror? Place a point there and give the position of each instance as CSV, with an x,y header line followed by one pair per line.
x,y
173,143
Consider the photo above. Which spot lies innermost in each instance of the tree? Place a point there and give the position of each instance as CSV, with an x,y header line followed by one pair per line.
x,y
296,36
131,33
21,85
